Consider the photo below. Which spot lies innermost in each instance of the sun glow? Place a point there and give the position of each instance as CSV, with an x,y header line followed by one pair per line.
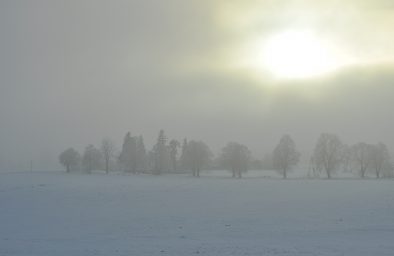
x,y
294,54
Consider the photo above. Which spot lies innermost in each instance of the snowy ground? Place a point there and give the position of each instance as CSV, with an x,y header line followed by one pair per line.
x,y
59,214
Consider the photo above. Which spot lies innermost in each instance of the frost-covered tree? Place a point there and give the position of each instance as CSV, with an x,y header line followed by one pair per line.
x,y
362,157
380,158
70,159
174,145
161,152
129,154
92,159
108,151
141,155
124,156
327,154
197,156
285,155
235,157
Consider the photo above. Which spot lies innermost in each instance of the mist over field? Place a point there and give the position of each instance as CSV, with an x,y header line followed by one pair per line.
x,y
199,127
75,72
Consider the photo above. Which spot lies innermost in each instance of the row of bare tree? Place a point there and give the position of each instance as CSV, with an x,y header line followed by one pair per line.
x,y
164,157
329,156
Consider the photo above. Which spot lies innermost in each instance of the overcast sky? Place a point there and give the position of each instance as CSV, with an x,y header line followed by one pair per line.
x,y
75,71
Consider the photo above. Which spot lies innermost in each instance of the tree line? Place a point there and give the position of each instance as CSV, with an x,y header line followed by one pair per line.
x,y
330,155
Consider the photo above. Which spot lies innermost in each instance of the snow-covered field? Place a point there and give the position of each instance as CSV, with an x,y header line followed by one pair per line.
x,y
47,213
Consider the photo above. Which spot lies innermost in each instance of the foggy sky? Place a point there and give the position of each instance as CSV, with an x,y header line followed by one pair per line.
x,y
73,72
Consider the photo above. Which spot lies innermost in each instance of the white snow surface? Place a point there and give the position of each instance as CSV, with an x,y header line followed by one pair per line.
x,y
52,213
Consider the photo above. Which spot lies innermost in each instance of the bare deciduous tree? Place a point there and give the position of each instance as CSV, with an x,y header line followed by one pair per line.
x,y
236,158
327,154
380,158
285,155
361,153
70,158
197,154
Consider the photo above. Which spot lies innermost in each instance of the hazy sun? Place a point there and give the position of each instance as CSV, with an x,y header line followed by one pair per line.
x,y
295,54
